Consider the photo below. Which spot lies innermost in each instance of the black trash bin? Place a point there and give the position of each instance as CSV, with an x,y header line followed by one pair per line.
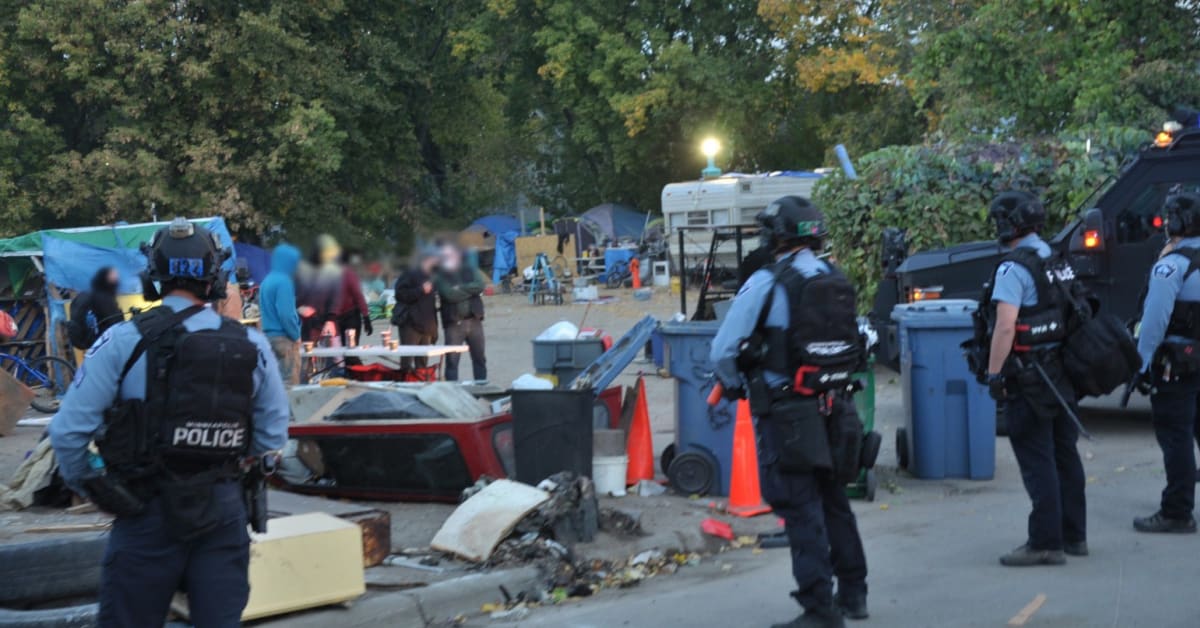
x,y
552,432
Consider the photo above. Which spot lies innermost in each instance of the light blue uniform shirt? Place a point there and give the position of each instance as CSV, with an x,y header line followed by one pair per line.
x,y
743,315
94,391
1167,286
1013,284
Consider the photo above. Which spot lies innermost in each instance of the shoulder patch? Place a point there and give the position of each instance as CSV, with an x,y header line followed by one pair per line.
x,y
1004,268
100,342
1164,270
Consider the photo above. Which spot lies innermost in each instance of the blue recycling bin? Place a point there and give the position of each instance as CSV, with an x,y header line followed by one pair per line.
x,y
700,460
950,426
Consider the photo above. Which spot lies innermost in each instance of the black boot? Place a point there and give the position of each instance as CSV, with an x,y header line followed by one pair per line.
x,y
817,617
1026,556
852,606
1157,522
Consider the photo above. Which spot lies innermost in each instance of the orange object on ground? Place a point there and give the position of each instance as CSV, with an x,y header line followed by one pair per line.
x,y
635,268
639,446
745,495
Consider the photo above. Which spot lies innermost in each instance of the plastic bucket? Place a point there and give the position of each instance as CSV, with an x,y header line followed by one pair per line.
x,y
608,474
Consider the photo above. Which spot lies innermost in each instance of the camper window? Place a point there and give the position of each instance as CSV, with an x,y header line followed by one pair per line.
x,y
748,214
697,219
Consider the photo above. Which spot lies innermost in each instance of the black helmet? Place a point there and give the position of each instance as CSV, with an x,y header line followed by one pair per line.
x,y
1016,213
184,251
1182,214
793,220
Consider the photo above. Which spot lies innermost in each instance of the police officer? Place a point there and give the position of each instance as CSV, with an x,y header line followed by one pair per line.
x,y
1020,362
821,529
1171,363
199,393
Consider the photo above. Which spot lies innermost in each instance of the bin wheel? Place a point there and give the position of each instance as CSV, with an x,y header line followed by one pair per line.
x,y
1001,419
902,448
666,457
872,485
692,473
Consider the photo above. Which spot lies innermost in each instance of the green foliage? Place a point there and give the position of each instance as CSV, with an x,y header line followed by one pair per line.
x,y
939,192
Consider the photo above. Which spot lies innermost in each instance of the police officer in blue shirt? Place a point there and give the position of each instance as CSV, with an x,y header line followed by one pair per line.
x,y
176,401
1171,363
1028,316
821,528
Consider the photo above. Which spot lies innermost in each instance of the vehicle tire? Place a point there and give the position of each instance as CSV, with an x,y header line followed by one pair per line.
x,y
1001,419
84,616
59,372
902,448
872,482
665,458
44,571
692,473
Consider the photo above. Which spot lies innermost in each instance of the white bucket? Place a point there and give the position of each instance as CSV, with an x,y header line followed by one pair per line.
x,y
608,474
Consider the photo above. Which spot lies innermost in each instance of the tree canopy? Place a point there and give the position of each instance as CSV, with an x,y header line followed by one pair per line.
x,y
370,119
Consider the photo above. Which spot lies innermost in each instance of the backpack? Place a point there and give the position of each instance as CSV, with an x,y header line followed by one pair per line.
x,y
823,345
82,328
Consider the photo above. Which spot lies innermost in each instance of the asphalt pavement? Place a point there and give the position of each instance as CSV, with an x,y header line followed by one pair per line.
x,y
933,546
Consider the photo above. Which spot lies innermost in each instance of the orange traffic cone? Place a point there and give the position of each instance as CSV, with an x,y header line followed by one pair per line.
x,y
745,496
639,447
635,268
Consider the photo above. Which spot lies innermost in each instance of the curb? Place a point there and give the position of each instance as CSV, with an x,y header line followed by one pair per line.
x,y
416,608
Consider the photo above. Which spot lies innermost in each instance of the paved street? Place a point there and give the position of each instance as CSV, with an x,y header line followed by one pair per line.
x,y
933,549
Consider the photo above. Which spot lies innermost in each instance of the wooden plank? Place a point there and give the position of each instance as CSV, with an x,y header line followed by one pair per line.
x,y
376,535
70,527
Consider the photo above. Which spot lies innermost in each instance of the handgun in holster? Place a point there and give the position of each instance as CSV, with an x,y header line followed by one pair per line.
x,y
113,496
254,489
749,361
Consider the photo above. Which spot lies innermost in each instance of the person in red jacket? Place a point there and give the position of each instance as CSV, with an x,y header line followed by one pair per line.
x,y
352,312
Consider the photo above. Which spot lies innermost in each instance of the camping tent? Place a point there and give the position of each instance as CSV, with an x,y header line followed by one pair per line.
x,y
614,221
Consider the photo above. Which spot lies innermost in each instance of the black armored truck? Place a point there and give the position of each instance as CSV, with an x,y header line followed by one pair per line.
x,y
1112,243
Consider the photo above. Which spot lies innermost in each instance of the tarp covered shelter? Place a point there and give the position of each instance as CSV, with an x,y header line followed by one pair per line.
x,y
615,221
68,258
496,224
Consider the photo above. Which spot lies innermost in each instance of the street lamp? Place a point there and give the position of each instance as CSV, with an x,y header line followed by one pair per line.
x,y
710,147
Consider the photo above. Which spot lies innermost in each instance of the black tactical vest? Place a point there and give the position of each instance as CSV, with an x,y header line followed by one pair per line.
x,y
198,412
1185,316
821,348
1046,322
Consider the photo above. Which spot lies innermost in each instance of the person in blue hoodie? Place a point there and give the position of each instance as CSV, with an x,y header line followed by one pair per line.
x,y
280,320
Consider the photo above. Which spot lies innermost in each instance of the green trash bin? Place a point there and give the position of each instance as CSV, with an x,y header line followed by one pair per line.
x,y
864,401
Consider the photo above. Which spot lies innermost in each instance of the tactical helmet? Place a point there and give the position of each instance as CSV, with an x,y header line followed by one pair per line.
x,y
792,220
1016,213
184,251
1182,213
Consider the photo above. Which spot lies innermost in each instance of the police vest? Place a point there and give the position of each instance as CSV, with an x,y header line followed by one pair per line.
x,y
1046,322
821,348
1185,315
197,414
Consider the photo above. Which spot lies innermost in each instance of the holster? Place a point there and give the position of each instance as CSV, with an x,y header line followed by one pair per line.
x,y
254,492
112,496
759,392
799,434
1182,357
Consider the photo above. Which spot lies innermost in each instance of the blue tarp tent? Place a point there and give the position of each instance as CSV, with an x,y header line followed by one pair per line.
x,y
505,259
614,221
496,224
256,258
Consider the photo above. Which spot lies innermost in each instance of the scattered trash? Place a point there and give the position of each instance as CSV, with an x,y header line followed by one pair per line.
x,y
643,294
562,330
621,523
404,561
646,557
648,488
719,529
474,529
529,381
883,506
516,613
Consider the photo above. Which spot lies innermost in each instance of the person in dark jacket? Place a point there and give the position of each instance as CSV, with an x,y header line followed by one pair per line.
x,y
415,315
104,305
460,285
352,312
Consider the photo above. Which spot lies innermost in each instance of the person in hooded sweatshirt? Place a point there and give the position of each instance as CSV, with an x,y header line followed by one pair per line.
x,y
104,305
280,320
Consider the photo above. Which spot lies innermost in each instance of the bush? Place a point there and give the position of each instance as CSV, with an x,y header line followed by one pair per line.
x,y
939,192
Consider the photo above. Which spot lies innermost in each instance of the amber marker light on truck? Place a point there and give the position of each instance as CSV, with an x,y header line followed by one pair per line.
x,y
1091,239
924,294
1167,134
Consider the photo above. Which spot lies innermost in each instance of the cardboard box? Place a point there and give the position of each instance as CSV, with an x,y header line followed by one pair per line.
x,y
303,561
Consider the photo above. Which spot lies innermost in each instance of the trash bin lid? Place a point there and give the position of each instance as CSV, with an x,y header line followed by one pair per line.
x,y
936,313
690,328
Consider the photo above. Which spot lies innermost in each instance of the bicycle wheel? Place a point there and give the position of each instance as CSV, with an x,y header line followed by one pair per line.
x,y
614,278
49,378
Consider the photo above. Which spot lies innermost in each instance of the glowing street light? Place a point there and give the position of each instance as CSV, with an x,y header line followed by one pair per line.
x,y
710,147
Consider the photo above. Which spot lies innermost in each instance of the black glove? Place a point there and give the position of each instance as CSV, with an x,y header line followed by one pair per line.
x,y
733,394
995,384
367,327
1142,383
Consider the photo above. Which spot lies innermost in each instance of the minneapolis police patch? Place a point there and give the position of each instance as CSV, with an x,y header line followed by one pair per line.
x,y
1164,270
1004,268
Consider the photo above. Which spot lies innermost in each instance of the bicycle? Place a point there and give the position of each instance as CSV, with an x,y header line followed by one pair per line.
x,y
47,375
